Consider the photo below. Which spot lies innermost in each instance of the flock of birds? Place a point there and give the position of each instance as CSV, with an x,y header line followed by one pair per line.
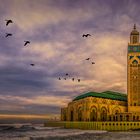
x,y
74,79
87,59
65,78
9,21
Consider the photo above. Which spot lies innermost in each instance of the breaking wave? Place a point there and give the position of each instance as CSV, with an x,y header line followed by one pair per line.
x,y
38,132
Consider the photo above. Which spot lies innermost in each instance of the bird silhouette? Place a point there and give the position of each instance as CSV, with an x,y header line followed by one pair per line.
x,y
59,78
87,58
93,62
8,22
26,42
32,64
8,34
78,80
72,79
67,74
86,35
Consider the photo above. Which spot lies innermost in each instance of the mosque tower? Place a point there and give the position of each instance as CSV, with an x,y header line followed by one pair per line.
x,y
133,72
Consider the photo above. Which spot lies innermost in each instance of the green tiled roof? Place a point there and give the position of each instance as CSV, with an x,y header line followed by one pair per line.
x,y
106,94
115,93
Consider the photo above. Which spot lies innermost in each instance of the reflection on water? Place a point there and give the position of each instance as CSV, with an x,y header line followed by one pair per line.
x,y
38,132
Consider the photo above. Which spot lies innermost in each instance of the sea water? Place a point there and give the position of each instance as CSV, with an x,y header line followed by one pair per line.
x,y
38,132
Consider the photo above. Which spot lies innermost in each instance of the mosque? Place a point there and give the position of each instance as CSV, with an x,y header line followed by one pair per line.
x,y
109,105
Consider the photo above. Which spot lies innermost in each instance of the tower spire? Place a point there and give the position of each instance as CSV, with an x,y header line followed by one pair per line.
x,y
134,26
134,36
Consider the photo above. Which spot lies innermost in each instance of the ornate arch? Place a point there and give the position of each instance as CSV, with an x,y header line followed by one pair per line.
x,y
116,110
79,113
103,114
71,114
93,113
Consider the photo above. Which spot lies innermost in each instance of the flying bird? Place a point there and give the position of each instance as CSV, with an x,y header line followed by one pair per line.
x,y
59,78
86,35
87,58
32,64
93,62
26,42
8,34
78,80
8,22
67,74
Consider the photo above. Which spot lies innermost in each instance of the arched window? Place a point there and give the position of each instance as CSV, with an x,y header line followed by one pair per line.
x,y
103,114
134,118
134,39
80,114
116,118
137,118
113,118
127,117
121,118
109,118
93,114
71,115
116,110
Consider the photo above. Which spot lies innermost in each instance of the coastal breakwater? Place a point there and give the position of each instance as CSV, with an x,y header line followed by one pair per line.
x,y
109,126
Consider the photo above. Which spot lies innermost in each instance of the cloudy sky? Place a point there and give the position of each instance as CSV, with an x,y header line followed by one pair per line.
x,y
55,28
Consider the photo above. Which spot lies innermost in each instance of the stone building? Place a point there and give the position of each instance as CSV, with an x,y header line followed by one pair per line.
x,y
109,105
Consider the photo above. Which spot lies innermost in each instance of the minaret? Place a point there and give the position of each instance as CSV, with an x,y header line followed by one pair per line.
x,y
134,36
133,72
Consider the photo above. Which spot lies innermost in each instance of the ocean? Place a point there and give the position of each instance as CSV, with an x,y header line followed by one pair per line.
x,y
38,132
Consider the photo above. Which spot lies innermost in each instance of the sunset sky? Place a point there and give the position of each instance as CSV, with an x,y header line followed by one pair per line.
x,y
55,28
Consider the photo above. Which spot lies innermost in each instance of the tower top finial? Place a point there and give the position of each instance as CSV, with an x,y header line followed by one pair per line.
x,y
134,26
134,36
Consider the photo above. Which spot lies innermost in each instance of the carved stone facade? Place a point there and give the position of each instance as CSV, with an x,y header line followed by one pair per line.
x,y
134,72
111,106
92,109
